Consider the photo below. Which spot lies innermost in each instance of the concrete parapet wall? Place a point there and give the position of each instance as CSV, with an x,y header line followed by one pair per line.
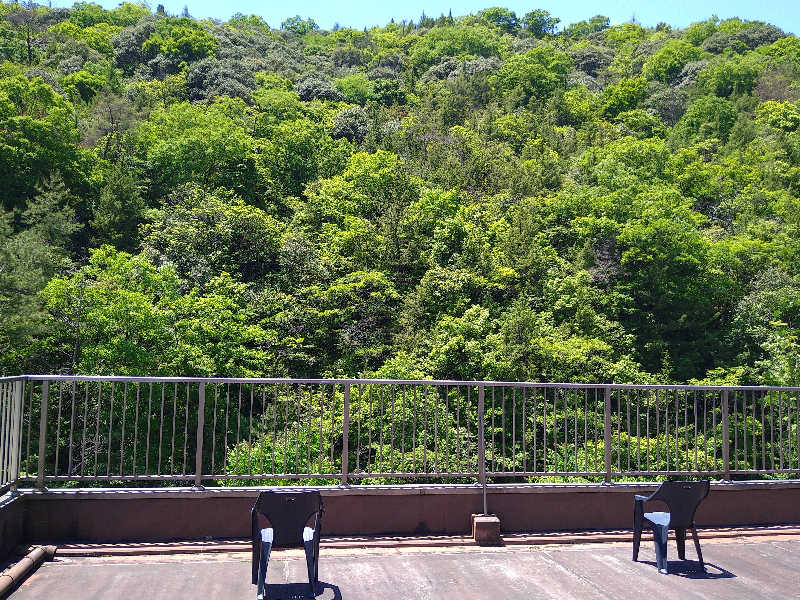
x,y
12,520
181,513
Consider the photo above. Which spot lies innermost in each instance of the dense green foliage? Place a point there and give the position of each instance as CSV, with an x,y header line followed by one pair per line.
x,y
472,197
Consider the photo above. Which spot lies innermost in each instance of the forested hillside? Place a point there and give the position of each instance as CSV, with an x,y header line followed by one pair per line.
x,y
491,196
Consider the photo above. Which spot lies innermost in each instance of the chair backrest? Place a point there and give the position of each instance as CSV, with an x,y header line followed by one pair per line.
x,y
682,498
288,512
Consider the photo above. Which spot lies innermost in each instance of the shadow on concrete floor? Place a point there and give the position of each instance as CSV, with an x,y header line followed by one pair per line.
x,y
295,591
691,569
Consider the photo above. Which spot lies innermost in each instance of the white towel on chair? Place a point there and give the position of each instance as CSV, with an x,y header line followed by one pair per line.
x,y
267,535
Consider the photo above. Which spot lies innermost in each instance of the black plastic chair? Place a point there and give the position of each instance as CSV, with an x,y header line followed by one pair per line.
x,y
289,514
682,498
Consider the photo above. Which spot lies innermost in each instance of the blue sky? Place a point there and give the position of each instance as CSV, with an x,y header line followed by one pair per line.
x,y
678,13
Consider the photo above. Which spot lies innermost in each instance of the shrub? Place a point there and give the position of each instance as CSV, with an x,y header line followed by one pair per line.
x,y
351,124
317,87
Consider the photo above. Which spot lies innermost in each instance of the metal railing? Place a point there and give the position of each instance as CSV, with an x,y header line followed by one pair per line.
x,y
11,392
60,430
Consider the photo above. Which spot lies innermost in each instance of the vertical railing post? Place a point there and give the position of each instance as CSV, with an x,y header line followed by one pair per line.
x,y
482,446
201,416
15,446
607,434
6,425
42,434
6,428
726,439
797,428
345,434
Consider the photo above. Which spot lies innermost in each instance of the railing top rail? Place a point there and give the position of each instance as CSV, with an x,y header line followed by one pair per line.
x,y
13,378
434,382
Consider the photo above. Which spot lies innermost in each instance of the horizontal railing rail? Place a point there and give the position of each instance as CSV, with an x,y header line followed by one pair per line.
x,y
520,384
112,430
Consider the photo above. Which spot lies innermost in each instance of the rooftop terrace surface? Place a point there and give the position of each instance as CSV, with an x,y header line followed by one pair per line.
x,y
763,566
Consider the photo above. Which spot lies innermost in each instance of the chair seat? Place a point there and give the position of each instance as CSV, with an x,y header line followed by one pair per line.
x,y
658,518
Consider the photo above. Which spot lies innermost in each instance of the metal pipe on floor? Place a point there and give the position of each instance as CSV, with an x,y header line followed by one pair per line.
x,y
12,577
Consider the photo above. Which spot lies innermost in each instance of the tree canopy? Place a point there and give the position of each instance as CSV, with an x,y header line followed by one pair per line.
x,y
474,196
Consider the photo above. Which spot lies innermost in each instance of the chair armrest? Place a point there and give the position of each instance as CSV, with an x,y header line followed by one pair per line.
x,y
652,496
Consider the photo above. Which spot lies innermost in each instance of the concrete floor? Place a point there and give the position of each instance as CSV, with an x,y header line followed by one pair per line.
x,y
758,568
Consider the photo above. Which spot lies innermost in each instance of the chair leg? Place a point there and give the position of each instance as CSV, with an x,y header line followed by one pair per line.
x,y
311,565
697,547
680,539
637,532
316,562
266,548
660,538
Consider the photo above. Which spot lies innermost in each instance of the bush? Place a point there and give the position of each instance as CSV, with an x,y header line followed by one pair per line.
x,y
689,73
759,34
780,115
317,87
641,124
180,39
356,89
533,75
732,76
210,78
351,124
623,96
578,106
128,43
591,59
388,92
709,117
299,25
697,33
460,41
83,85
539,23
450,68
668,103
665,64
